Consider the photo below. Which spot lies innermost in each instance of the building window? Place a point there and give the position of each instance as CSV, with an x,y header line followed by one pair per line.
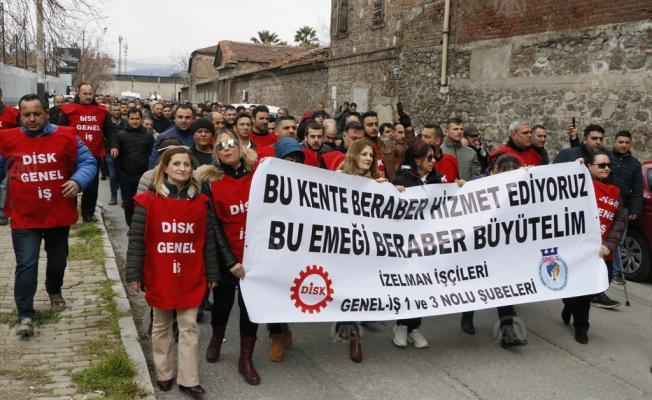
x,y
378,13
342,16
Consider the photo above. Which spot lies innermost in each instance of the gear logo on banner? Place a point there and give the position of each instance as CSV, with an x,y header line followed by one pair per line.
x,y
312,290
553,270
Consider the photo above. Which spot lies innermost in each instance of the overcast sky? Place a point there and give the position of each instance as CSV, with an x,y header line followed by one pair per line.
x,y
156,29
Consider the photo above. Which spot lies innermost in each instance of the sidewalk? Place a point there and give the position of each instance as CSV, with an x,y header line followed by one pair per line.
x,y
82,339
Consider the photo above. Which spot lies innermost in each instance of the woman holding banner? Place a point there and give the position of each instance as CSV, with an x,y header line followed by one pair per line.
x,y
361,160
509,336
172,257
612,226
417,169
230,180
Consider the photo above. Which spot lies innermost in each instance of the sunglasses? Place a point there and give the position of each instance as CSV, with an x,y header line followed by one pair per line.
x,y
603,165
227,144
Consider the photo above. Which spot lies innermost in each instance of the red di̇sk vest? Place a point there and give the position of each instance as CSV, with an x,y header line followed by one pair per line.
x,y
263,140
607,197
175,233
447,167
231,200
527,158
38,166
9,118
89,122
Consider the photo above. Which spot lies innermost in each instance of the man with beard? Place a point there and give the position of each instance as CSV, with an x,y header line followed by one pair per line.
x,y
183,119
260,134
161,124
592,142
229,117
330,133
218,120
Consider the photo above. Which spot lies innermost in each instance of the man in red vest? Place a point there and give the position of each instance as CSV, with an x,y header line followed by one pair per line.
x,y
95,129
519,145
48,165
445,164
8,119
261,135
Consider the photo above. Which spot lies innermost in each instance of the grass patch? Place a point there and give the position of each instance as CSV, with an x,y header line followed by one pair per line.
x,y
113,376
102,347
44,317
27,374
8,319
90,245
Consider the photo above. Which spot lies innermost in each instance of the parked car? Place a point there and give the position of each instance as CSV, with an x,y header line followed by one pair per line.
x,y
637,260
273,110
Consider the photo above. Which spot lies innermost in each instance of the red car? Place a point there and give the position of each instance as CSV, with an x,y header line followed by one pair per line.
x,y
636,256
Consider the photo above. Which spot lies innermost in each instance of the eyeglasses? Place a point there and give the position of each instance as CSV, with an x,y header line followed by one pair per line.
x,y
603,165
227,144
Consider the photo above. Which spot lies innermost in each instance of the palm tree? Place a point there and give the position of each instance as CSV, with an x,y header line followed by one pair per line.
x,y
267,37
306,37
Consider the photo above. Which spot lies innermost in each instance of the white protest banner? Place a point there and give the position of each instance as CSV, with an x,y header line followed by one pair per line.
x,y
324,246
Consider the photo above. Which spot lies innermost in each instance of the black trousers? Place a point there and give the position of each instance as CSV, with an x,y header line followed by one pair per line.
x,y
128,189
89,196
504,314
223,299
579,307
412,323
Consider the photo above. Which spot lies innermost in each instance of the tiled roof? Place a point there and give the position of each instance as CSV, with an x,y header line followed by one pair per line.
x,y
206,50
253,52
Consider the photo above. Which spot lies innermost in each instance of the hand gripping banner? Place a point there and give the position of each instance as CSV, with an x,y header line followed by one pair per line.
x,y
324,246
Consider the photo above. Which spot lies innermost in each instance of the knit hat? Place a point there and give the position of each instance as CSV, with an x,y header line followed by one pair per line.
x,y
202,123
288,145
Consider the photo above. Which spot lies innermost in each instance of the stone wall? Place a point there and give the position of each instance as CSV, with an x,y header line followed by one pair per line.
x,y
297,89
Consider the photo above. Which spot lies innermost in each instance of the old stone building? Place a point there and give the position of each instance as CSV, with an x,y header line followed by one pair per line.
x,y
201,74
541,61
488,62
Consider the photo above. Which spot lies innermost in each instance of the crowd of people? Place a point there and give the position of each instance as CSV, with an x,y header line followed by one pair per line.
x,y
183,171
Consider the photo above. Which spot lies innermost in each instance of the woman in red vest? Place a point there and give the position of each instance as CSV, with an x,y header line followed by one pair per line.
x,y
172,257
612,226
229,182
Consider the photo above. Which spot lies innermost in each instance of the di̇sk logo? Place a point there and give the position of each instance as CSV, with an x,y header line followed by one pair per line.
x,y
553,271
312,290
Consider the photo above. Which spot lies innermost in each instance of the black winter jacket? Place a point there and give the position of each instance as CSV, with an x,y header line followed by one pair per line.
x,y
627,175
407,177
134,147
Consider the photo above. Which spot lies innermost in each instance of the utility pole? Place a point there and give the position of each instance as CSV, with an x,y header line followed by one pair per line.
x,y
2,26
40,50
126,47
119,55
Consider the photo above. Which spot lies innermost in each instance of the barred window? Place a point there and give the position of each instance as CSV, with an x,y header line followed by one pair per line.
x,y
342,16
378,13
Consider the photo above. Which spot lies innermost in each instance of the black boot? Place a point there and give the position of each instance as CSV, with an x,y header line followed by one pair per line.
x,y
566,314
467,323
581,335
246,365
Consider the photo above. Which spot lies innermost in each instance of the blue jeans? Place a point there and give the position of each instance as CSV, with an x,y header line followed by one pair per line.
x,y
27,244
113,176
618,261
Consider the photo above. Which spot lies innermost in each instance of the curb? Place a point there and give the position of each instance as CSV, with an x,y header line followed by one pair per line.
x,y
128,332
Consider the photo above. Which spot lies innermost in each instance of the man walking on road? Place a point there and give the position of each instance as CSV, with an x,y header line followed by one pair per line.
x,y
48,165
94,127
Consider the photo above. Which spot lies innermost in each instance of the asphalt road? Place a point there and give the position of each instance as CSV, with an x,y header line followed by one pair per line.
x,y
616,364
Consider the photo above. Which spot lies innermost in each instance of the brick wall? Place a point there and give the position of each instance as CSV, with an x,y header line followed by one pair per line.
x,y
480,20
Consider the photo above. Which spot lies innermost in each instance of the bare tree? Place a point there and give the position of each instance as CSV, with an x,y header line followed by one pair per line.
x,y
180,61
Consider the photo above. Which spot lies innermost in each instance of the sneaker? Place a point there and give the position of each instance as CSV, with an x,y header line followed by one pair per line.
x,y
415,337
25,328
511,337
602,300
113,201
618,280
400,335
57,303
